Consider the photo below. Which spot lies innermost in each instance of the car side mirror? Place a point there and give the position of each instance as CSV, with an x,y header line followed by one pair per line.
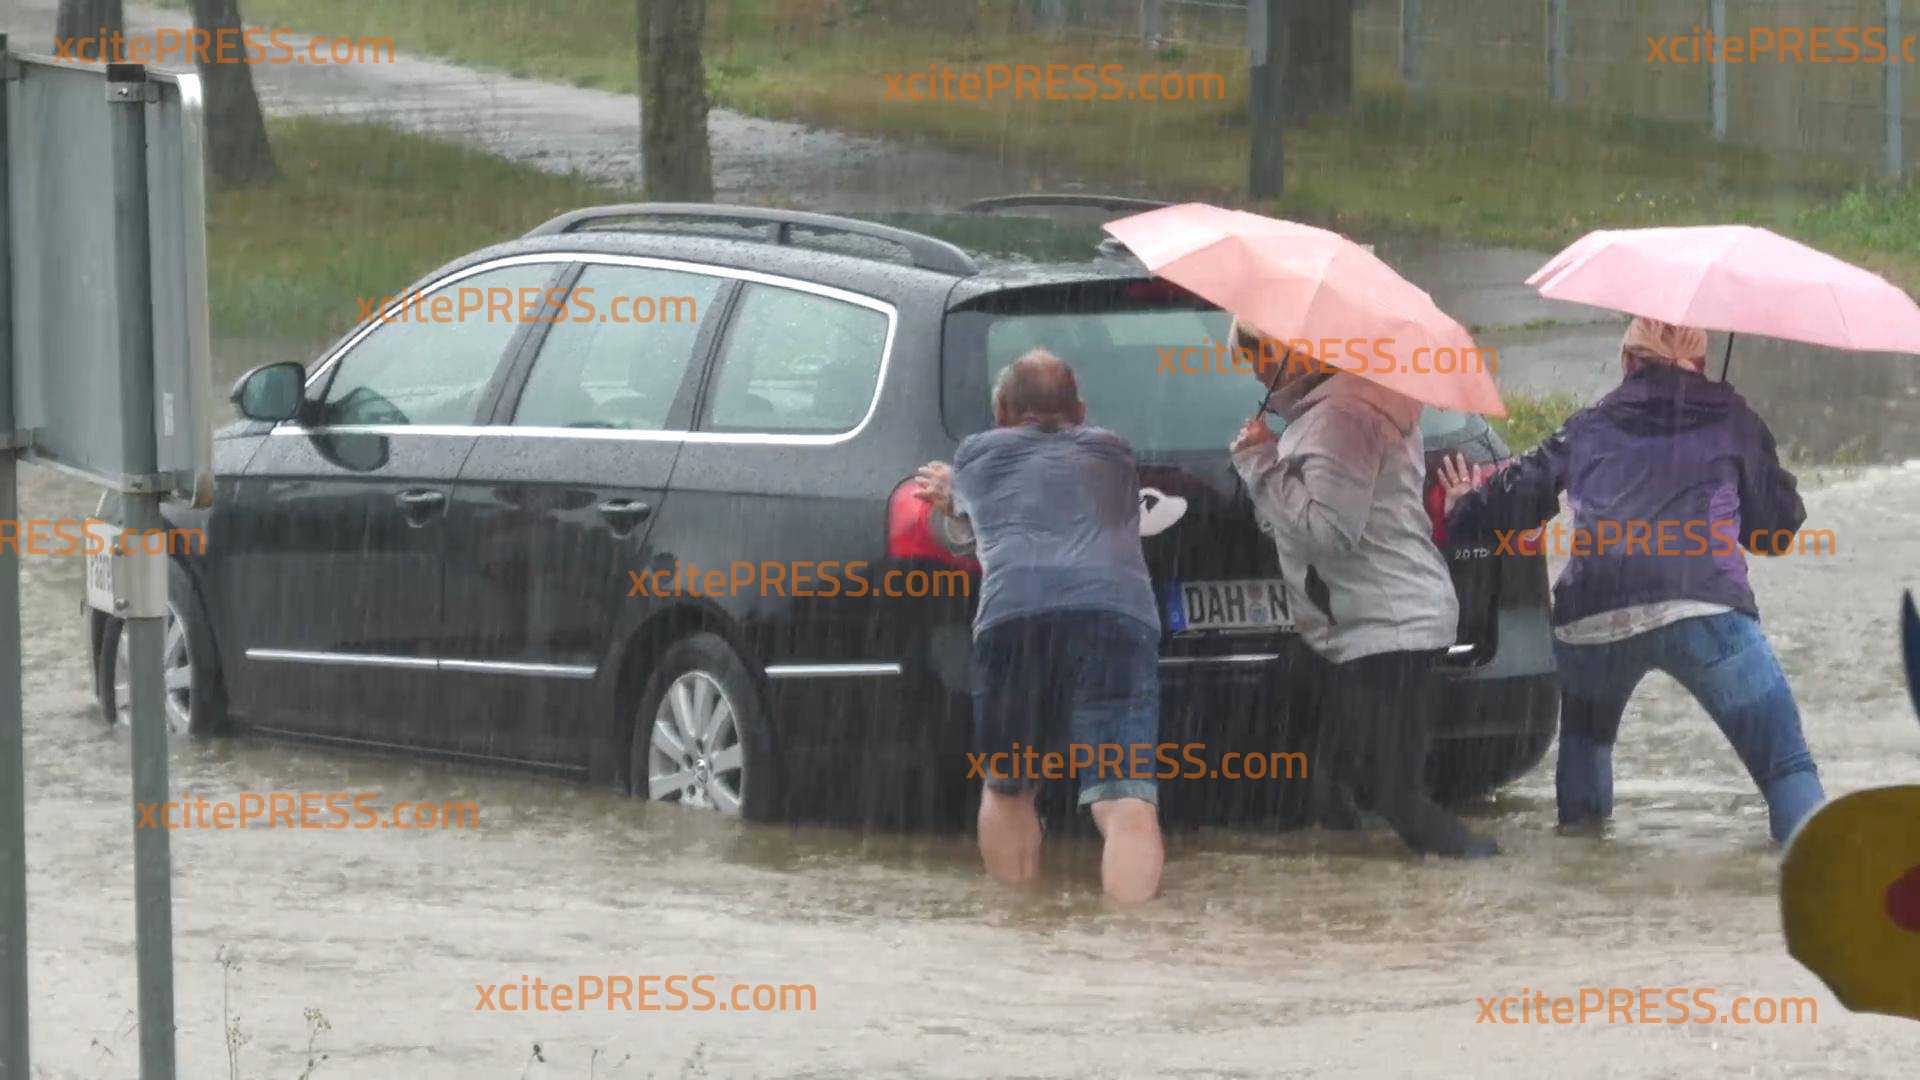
x,y
270,392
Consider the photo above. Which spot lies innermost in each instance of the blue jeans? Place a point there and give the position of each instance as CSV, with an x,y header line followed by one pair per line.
x,y
1080,686
1724,661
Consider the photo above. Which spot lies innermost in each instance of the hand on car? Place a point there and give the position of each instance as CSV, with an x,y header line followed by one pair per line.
x,y
1252,433
1457,477
936,485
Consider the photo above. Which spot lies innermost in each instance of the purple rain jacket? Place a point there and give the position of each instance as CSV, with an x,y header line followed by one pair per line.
x,y
1670,456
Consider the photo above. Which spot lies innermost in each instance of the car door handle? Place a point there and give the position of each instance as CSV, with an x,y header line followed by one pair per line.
x,y
419,504
624,513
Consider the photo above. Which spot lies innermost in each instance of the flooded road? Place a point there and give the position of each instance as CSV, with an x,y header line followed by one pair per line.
x,y
1290,954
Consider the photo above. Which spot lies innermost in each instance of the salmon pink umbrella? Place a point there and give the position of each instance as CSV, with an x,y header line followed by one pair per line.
x,y
1735,278
1317,292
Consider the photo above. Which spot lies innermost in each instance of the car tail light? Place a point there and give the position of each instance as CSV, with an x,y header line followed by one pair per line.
x,y
1436,500
910,531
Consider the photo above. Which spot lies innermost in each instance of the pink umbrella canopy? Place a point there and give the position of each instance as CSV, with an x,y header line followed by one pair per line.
x,y
1736,278
1299,284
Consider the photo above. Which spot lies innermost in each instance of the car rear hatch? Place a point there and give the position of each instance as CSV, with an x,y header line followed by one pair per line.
x,y
1214,575
1152,367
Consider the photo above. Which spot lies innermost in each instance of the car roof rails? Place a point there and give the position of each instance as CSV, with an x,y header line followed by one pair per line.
x,y
925,252
1097,202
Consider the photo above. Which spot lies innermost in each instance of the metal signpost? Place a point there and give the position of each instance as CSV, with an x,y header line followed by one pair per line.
x,y
104,352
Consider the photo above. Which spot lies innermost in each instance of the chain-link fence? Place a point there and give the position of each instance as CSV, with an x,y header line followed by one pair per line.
x,y
1815,90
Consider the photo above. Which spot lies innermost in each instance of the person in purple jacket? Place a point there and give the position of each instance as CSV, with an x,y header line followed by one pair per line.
x,y
1668,478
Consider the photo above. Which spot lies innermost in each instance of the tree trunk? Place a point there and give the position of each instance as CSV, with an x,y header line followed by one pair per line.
x,y
237,149
1318,56
91,23
675,156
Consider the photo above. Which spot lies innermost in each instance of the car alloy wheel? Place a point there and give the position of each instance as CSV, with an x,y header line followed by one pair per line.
x,y
176,670
696,757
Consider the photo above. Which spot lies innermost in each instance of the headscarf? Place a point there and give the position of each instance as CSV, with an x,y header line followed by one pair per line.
x,y
1650,341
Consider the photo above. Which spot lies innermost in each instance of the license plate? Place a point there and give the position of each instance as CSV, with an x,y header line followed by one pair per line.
x,y
100,585
1250,604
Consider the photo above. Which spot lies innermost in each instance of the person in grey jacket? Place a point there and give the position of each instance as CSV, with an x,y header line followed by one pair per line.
x,y
1340,490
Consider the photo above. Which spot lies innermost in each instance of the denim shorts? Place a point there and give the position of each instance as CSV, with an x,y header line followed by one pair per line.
x,y
1080,686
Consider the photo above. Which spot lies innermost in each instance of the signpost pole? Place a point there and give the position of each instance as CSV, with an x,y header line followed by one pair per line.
x,y
13,778
146,617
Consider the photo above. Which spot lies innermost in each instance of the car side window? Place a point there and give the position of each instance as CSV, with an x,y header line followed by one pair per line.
x,y
796,363
618,351
428,366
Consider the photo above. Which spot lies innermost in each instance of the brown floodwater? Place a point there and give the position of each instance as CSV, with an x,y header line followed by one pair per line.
x,y
1269,954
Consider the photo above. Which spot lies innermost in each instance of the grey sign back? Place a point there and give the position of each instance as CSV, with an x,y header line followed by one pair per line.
x,y
68,402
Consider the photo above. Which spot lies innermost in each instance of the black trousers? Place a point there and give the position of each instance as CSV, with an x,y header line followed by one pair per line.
x,y
1375,723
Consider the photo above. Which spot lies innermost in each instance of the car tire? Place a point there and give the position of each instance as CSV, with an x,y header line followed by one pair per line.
x,y
195,697
701,736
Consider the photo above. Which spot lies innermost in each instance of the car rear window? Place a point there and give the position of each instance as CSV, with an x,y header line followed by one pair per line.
x,y
1114,335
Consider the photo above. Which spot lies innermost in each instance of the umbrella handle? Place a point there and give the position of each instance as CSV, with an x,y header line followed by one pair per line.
x,y
1274,385
1727,360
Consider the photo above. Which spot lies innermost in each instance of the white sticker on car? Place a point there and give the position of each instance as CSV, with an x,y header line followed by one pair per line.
x,y
1159,511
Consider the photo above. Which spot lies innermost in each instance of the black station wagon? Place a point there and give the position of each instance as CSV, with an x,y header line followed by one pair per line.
x,y
430,538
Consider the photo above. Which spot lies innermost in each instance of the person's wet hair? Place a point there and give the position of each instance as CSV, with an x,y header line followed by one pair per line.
x,y
1039,388
1652,342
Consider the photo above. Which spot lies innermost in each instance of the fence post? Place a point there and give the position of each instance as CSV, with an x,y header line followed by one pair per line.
x,y
1557,51
1717,72
1410,42
1149,22
1266,152
1896,163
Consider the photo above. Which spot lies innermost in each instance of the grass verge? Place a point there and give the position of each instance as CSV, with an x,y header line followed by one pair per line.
x,y
1532,417
358,210
1486,169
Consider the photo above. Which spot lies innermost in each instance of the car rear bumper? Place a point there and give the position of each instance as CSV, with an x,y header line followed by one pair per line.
x,y
1235,694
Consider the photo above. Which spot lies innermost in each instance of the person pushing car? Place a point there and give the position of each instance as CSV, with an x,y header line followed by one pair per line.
x,y
1340,490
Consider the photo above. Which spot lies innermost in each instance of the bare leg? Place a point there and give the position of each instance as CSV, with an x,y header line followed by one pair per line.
x,y
1010,836
1130,863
